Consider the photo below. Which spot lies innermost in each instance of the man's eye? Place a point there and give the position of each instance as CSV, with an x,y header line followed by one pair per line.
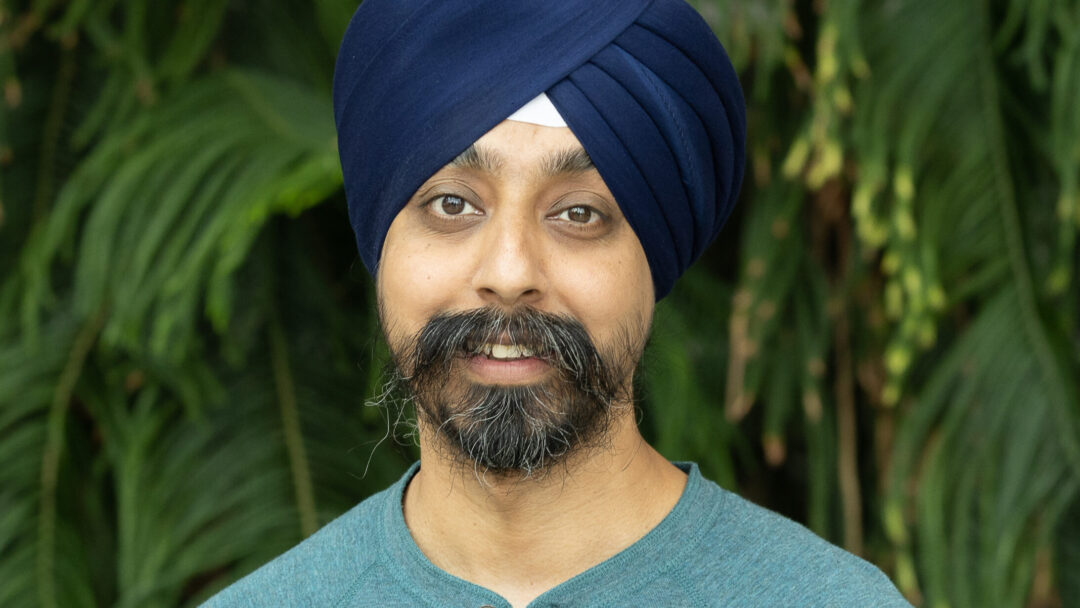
x,y
580,214
450,205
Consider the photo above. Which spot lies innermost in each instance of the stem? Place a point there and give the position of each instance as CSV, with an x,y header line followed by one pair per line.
x,y
50,135
53,450
294,437
737,403
847,460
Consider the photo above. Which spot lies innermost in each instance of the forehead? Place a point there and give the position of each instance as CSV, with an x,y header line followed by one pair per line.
x,y
513,147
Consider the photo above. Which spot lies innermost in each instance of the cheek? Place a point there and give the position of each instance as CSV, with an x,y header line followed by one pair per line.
x,y
610,293
414,280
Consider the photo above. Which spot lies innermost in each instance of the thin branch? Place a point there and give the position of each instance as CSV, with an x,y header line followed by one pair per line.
x,y
50,137
847,432
294,437
53,450
847,463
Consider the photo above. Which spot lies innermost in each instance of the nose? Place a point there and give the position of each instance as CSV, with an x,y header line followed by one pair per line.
x,y
511,268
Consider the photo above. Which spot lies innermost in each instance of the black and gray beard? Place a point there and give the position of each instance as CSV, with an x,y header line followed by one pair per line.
x,y
517,429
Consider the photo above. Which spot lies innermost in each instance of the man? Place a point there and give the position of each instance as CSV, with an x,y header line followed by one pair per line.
x,y
526,178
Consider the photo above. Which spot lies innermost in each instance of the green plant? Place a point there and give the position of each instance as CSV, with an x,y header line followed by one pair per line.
x,y
882,344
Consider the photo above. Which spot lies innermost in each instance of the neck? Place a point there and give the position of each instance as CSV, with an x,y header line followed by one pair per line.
x,y
521,537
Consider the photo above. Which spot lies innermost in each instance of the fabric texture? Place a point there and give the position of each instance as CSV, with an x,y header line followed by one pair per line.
x,y
539,111
644,85
713,549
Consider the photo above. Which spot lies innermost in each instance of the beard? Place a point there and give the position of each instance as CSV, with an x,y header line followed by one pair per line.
x,y
516,429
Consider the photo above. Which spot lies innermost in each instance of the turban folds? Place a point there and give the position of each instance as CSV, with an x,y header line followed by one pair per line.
x,y
644,85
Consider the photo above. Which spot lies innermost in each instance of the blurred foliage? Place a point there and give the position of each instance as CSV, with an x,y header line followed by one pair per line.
x,y
883,344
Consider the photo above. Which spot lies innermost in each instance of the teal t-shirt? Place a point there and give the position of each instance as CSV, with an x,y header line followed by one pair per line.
x,y
713,549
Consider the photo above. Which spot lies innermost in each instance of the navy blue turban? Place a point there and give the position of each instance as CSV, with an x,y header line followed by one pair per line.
x,y
644,85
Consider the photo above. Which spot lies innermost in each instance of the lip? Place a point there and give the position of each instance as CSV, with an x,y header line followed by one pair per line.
x,y
525,370
503,338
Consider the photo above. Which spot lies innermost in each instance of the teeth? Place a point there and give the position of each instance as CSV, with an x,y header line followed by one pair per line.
x,y
511,351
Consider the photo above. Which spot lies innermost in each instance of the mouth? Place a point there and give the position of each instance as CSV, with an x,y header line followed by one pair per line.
x,y
496,363
504,352
503,349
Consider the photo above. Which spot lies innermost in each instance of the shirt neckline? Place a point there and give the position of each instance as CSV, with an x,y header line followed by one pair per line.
x,y
649,556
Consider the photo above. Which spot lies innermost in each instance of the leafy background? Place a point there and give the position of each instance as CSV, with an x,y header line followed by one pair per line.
x,y
883,344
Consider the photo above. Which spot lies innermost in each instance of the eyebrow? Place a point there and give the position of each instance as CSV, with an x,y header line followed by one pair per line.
x,y
477,159
569,161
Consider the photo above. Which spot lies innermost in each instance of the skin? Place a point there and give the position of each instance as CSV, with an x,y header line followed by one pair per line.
x,y
508,233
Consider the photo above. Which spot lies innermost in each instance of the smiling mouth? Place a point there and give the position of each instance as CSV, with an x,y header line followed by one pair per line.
x,y
501,352
511,351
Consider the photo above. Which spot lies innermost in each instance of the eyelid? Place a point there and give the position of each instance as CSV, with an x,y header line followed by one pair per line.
x,y
429,203
582,198
598,216
446,187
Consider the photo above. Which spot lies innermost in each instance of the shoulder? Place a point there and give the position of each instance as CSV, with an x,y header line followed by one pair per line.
x,y
317,571
751,556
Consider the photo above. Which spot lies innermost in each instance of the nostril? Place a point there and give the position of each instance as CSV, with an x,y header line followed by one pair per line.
x,y
512,269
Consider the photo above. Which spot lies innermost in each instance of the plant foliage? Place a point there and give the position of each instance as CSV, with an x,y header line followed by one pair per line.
x,y
883,344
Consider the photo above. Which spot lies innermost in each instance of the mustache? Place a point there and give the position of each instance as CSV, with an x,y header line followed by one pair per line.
x,y
560,340
508,429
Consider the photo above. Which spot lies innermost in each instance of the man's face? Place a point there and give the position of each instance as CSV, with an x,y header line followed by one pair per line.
x,y
515,299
